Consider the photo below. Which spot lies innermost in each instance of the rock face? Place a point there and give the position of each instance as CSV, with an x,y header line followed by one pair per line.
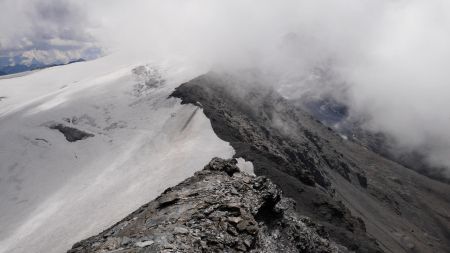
x,y
355,199
71,134
364,201
219,209
335,115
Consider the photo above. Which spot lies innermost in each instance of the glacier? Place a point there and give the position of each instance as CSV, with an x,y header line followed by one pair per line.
x,y
53,192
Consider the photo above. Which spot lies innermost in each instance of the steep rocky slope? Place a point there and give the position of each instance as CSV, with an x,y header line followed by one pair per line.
x,y
335,115
219,209
364,201
344,196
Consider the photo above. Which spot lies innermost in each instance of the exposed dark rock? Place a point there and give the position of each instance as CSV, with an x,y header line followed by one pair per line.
x,y
340,185
219,209
335,114
362,180
264,129
71,134
345,197
35,65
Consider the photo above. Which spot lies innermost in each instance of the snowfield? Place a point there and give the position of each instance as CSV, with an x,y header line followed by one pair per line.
x,y
53,192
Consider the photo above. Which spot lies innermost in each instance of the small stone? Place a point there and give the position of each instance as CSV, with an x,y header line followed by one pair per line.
x,y
248,243
234,220
242,225
144,244
241,247
234,191
248,226
125,240
169,246
232,231
181,230
217,214
168,199
111,243
252,229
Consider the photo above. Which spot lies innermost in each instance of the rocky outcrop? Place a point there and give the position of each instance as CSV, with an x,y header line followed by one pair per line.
x,y
71,134
282,143
354,199
335,115
219,209
354,193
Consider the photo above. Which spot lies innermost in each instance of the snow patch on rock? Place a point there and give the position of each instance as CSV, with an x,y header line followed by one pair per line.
x,y
245,166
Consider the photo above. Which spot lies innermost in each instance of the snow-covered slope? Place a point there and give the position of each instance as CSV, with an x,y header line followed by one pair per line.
x,y
54,192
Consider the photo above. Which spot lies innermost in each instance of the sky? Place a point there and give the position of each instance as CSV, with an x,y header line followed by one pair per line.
x,y
45,30
389,59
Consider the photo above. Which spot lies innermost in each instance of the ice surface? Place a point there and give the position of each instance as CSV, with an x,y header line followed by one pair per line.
x,y
54,193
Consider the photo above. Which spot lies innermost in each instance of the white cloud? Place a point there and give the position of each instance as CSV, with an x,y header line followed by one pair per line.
x,y
43,25
393,55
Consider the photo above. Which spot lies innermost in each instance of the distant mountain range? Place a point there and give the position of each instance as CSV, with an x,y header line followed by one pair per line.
x,y
18,68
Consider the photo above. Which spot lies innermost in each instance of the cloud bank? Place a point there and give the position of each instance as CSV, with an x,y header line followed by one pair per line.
x,y
388,59
44,30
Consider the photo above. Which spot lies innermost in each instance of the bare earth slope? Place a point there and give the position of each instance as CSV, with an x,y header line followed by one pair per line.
x,y
354,193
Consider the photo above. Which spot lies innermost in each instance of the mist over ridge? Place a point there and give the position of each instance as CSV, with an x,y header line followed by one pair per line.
x,y
388,59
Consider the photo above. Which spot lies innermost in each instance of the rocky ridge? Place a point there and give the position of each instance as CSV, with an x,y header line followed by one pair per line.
x,y
363,200
219,209
354,199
